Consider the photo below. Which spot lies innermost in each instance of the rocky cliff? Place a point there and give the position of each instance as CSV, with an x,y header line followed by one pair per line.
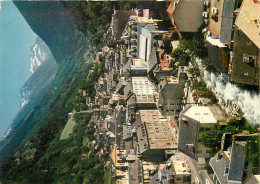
x,y
40,52
53,23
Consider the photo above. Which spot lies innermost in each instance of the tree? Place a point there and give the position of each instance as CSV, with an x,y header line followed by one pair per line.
x,y
167,46
252,151
211,139
177,53
205,62
184,60
195,47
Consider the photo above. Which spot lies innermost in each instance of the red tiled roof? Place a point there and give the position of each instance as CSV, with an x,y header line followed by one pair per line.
x,y
164,63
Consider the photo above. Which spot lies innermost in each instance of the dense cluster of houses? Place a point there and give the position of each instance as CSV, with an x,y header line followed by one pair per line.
x,y
147,120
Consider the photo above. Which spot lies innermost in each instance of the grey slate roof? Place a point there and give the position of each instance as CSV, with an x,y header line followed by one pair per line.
x,y
187,134
227,21
187,15
218,167
153,57
237,161
235,164
153,179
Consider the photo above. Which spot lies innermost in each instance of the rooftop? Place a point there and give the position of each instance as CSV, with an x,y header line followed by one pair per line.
x,y
148,169
215,26
229,162
181,167
150,116
248,20
164,60
227,21
143,19
141,86
172,80
113,154
202,114
137,62
218,165
116,155
253,179
160,133
187,15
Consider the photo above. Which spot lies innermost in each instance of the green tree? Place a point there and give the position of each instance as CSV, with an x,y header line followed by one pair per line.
x,y
211,139
167,46
252,150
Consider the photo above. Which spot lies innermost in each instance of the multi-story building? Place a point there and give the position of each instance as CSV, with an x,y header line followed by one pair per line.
x,y
220,20
246,51
119,166
140,94
193,122
230,164
155,135
175,170
171,93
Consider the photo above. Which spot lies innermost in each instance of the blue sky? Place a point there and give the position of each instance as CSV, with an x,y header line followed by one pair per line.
x,y
16,40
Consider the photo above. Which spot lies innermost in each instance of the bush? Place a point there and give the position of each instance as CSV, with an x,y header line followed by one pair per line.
x,y
167,46
252,151
211,139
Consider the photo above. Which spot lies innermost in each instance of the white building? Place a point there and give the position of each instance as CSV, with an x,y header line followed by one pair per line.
x,y
193,122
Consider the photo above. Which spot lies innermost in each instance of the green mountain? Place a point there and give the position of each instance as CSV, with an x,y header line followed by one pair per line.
x,y
33,153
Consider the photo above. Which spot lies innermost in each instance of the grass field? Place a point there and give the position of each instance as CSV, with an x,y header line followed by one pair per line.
x,y
68,129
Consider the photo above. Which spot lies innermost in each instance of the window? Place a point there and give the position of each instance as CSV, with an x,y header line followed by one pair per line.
x,y
202,129
178,179
219,156
248,58
214,10
207,129
226,170
217,182
214,177
208,151
185,122
199,151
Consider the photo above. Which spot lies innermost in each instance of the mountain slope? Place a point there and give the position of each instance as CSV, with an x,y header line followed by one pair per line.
x,y
35,132
51,21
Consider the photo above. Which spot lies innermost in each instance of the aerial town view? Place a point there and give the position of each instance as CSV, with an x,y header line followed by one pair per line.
x,y
159,92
